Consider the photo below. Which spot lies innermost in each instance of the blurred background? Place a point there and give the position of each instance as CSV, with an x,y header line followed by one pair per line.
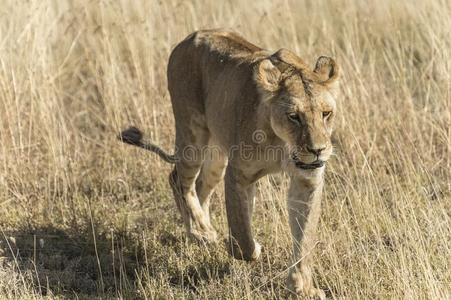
x,y
82,215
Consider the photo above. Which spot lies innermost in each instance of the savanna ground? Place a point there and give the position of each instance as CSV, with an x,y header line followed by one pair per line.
x,y
82,215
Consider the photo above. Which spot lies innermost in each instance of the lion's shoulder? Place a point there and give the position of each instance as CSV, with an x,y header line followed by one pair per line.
x,y
224,41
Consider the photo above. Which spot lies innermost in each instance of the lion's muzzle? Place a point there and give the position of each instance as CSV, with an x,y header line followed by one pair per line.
x,y
307,166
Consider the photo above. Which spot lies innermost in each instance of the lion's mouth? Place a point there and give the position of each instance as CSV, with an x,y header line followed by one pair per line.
x,y
313,165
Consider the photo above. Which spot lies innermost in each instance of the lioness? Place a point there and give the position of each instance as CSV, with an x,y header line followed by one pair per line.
x,y
224,90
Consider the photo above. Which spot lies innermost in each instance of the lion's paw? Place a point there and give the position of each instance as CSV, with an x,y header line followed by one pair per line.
x,y
238,253
204,236
299,285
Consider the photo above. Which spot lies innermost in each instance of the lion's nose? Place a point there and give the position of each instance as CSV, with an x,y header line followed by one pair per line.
x,y
317,150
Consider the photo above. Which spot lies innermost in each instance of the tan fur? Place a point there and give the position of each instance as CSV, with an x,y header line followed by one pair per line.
x,y
223,90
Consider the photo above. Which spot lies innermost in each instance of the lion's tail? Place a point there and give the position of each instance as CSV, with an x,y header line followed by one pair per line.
x,y
133,136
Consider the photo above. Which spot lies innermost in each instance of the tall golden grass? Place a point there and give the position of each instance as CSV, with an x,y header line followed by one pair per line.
x,y
82,215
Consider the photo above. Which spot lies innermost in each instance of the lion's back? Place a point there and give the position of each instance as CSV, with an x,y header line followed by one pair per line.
x,y
210,80
201,60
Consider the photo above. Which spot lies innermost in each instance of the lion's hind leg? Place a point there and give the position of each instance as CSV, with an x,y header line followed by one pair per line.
x,y
183,178
211,174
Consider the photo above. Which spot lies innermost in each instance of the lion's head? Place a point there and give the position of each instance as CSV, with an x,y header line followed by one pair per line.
x,y
301,104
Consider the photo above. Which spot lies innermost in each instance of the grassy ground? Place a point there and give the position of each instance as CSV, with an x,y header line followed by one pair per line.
x,y
84,216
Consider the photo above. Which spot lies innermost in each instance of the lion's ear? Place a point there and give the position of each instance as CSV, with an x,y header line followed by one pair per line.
x,y
328,72
267,76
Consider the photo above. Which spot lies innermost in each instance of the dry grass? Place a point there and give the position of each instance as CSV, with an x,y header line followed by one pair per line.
x,y
82,215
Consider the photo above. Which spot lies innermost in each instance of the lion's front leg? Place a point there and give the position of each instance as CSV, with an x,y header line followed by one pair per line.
x,y
239,194
304,206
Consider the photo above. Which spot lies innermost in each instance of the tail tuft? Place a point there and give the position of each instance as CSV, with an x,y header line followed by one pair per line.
x,y
132,136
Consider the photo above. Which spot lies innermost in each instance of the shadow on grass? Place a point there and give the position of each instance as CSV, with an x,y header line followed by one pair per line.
x,y
68,262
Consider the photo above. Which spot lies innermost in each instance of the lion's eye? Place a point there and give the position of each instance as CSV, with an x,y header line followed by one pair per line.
x,y
294,118
327,114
